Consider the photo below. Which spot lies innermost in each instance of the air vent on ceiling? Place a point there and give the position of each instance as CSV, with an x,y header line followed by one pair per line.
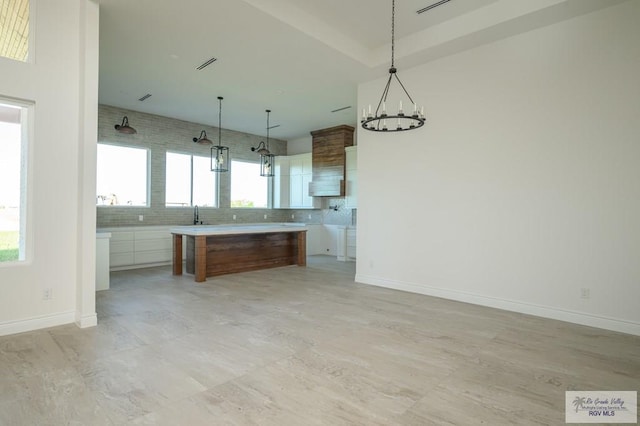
x,y
431,6
341,109
206,64
145,97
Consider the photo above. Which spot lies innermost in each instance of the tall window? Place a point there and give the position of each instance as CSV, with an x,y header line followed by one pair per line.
x,y
248,188
121,176
14,29
13,171
189,181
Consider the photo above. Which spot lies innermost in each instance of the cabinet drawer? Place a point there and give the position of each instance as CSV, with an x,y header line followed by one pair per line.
x,y
153,245
121,259
152,235
121,246
122,235
155,256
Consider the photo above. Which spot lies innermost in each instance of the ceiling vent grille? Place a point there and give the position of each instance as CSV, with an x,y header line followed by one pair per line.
x,y
145,97
206,64
431,6
341,109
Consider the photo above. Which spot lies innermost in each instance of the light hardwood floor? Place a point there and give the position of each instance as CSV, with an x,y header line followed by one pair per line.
x,y
302,346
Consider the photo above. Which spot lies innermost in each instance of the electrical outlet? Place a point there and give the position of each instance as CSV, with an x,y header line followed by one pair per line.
x,y
293,216
140,218
265,216
309,216
585,293
234,217
47,294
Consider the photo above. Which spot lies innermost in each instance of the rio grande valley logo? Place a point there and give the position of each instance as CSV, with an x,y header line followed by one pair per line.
x,y
601,407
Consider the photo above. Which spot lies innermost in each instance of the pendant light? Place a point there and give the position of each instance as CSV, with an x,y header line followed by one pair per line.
x,y
219,153
266,157
381,121
124,128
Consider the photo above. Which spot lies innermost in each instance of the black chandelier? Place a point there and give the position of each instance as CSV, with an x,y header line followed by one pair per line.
x,y
378,122
266,157
219,153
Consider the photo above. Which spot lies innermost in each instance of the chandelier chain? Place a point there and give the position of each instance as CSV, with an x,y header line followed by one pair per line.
x,y
393,27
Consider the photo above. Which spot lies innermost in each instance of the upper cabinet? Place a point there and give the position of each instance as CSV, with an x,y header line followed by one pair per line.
x,y
329,161
281,183
351,177
291,183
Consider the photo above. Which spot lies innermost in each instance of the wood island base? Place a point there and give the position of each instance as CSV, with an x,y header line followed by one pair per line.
x,y
213,255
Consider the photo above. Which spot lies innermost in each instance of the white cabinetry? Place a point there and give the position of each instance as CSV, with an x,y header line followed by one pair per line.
x,y
139,247
291,183
351,177
346,243
300,175
281,183
351,244
102,260
315,239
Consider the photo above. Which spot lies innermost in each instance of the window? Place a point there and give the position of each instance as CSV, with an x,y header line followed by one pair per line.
x,y
14,31
189,181
13,168
248,188
121,176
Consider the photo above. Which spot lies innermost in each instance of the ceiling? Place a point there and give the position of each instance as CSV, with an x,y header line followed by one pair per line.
x,y
300,58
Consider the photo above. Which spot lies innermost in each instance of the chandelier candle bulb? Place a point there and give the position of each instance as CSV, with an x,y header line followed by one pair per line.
x,y
400,108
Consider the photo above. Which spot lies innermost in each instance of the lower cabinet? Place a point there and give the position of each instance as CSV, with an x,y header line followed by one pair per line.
x,y
346,243
351,244
138,247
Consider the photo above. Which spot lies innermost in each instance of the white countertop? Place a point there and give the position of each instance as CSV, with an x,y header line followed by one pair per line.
x,y
234,229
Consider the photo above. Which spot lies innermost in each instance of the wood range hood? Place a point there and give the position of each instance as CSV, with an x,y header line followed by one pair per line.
x,y
328,161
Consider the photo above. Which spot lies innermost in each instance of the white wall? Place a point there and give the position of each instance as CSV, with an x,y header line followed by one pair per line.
x,y
300,146
62,82
524,186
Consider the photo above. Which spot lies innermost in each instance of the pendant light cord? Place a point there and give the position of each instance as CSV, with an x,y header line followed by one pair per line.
x,y
220,121
268,112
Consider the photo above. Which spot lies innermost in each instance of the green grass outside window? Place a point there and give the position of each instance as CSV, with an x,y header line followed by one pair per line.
x,y
8,246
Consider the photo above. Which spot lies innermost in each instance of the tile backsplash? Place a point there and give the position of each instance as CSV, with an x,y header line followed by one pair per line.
x,y
160,134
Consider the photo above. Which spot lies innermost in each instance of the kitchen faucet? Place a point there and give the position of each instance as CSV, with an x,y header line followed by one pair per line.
x,y
196,215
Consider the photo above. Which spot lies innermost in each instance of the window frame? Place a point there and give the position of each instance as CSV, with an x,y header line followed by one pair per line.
x,y
147,178
269,184
25,226
216,183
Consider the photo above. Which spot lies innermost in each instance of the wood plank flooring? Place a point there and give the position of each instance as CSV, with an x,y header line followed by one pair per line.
x,y
301,346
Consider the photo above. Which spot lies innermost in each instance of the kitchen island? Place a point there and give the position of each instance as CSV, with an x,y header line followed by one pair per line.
x,y
225,249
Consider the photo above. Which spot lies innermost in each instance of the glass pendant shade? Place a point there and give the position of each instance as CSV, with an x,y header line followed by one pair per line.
x,y
219,158
267,162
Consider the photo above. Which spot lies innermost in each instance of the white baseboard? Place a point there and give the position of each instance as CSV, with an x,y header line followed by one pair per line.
x,y
87,321
581,318
37,323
